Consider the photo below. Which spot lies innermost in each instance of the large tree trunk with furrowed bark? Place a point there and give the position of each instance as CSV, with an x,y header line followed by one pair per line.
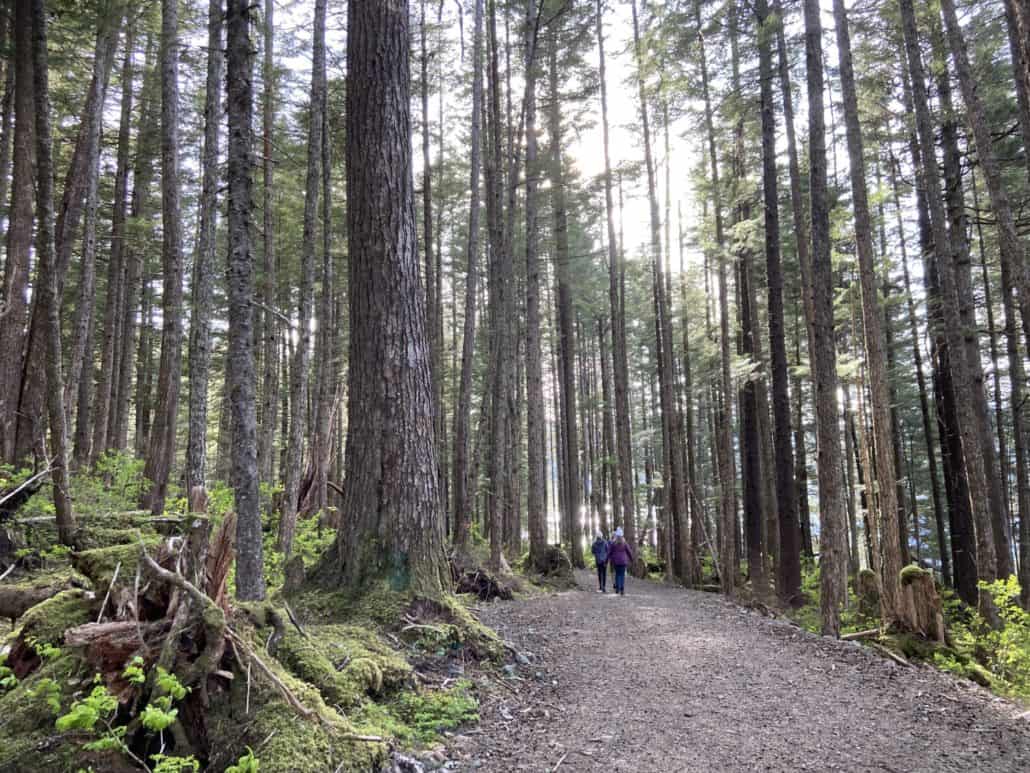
x,y
250,576
391,488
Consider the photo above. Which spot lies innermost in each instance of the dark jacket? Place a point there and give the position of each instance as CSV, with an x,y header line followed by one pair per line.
x,y
620,553
600,550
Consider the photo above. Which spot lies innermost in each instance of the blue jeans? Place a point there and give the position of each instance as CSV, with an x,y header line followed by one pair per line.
x,y
602,575
620,579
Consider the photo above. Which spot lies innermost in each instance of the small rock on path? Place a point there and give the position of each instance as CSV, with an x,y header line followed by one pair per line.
x,y
666,679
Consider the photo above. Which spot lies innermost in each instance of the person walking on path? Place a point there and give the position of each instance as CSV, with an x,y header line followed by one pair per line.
x,y
600,551
620,554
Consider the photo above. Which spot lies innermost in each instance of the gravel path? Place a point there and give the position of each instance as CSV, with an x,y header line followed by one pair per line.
x,y
665,679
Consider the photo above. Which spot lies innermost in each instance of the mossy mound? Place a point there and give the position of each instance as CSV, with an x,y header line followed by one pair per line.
x,y
554,570
99,564
418,717
911,573
345,663
378,605
91,536
28,740
46,622
281,738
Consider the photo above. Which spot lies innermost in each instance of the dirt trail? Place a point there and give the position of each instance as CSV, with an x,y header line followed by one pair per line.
x,y
665,679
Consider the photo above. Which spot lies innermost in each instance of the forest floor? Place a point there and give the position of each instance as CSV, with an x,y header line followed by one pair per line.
x,y
666,679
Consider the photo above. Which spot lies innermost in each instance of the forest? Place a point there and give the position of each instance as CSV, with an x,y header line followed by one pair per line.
x,y
332,334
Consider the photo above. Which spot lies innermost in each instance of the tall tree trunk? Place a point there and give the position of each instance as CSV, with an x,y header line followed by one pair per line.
x,y
723,418
271,328
954,195
46,275
161,450
78,389
572,537
750,439
250,578
924,403
832,537
32,399
203,263
971,453
323,399
135,258
80,359
104,404
1011,250
886,492
434,308
6,104
1017,19
536,446
393,509
463,502
616,278
788,577
302,355
1002,543
19,229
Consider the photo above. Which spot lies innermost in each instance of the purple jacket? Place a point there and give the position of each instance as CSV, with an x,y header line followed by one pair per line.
x,y
620,553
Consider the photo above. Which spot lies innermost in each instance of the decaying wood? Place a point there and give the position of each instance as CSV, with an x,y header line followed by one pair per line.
x,y
920,609
219,561
872,632
16,600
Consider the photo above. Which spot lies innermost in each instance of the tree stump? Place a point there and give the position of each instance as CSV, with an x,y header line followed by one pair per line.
x,y
920,610
867,589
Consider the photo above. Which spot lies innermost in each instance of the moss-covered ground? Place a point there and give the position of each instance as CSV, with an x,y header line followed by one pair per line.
x,y
367,673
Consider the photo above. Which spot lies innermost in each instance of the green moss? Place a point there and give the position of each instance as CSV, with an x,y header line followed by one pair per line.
x,y
27,720
47,622
90,536
912,646
911,573
378,604
418,717
345,663
282,738
979,674
99,564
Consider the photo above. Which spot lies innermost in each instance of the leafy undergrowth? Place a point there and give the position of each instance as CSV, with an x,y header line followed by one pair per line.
x,y
996,659
353,679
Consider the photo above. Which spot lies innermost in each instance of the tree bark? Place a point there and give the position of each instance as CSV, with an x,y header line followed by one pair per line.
x,y
19,229
616,280
203,262
80,361
271,326
161,451
250,577
954,197
723,417
884,503
924,403
832,538
971,453
536,443
572,534
391,500
46,274
788,577
463,502
104,404
302,355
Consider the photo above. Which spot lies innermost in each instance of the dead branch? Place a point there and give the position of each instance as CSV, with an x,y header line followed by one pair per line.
x,y
872,632
285,691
